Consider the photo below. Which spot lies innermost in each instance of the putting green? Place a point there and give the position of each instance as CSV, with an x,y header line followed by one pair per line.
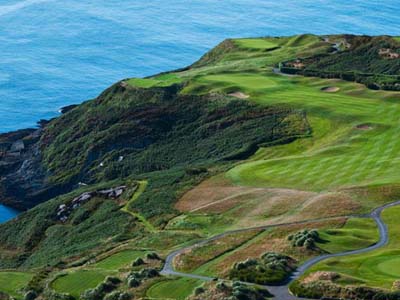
x,y
12,282
119,259
390,267
178,289
75,283
255,43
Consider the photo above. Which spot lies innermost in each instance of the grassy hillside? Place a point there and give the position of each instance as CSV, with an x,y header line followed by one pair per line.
x,y
230,142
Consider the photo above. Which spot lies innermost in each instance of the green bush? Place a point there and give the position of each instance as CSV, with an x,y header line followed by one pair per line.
x,y
272,268
118,295
152,256
305,238
199,290
30,295
138,262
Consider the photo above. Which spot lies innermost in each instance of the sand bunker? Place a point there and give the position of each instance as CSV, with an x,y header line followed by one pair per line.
x,y
330,89
363,127
239,95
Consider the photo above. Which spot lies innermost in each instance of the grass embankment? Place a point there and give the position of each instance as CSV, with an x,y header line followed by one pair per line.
x,y
379,268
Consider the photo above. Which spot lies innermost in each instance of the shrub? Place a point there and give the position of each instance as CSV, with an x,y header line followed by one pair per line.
x,y
149,273
30,295
118,295
52,295
199,290
304,238
271,268
152,256
221,286
133,282
112,280
138,262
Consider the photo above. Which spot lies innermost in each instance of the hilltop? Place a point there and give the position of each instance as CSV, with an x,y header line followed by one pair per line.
x,y
295,132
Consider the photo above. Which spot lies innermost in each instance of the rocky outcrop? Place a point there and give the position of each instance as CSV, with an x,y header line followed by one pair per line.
x,y
65,210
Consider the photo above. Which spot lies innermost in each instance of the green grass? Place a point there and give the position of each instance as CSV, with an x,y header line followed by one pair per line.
x,y
379,268
177,289
119,259
346,156
256,43
12,282
356,234
76,282
159,81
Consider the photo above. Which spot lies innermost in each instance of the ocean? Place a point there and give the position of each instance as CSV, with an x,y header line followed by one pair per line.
x,y
54,53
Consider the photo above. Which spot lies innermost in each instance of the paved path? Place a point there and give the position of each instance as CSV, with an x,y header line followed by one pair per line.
x,y
282,292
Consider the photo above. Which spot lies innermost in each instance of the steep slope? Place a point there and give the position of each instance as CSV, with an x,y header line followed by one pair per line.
x,y
127,134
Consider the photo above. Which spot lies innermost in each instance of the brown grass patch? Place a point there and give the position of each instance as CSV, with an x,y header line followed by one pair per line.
x,y
274,240
207,192
251,207
321,275
193,258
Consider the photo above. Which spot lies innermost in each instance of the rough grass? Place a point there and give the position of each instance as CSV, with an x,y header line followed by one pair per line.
x,y
216,203
196,257
177,289
12,283
378,268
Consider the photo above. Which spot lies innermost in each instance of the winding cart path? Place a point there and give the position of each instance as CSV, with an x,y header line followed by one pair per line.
x,y
282,292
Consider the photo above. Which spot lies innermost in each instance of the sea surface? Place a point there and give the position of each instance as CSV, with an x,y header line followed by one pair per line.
x,y
54,53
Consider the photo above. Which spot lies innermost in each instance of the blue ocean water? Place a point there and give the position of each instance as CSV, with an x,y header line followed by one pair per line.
x,y
7,213
54,53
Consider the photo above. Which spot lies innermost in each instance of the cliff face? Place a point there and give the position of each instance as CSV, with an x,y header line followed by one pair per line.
x,y
22,176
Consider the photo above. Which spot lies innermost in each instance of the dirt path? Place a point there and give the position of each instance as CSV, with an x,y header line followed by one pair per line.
x,y
141,188
282,292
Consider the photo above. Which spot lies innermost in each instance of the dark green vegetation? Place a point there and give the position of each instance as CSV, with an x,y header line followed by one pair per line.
x,y
266,148
270,269
305,238
321,289
171,142
373,61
